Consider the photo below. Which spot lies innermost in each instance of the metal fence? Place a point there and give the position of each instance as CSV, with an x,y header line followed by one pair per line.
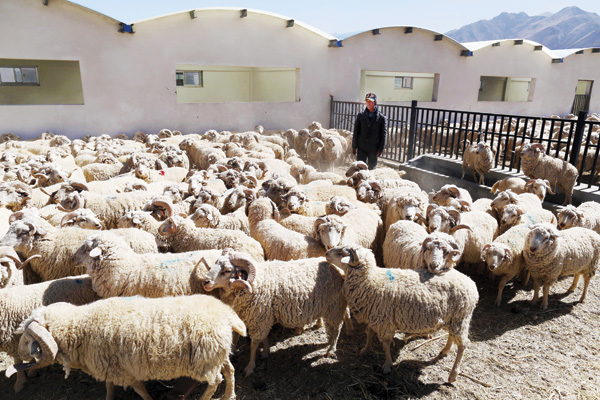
x,y
413,131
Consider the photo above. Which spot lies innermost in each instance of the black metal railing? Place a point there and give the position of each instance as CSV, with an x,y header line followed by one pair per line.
x,y
580,103
413,131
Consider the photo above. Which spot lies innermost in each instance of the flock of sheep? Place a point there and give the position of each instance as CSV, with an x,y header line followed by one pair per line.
x,y
137,259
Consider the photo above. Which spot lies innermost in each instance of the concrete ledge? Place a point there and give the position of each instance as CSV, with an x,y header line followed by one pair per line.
x,y
432,172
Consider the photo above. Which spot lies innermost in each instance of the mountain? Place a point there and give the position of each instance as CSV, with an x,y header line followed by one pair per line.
x,y
569,28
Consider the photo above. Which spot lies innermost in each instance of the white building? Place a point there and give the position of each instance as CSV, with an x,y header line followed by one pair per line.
x,y
70,70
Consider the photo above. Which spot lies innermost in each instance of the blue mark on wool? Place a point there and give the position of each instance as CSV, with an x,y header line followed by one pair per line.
x,y
390,276
78,281
111,197
168,263
531,218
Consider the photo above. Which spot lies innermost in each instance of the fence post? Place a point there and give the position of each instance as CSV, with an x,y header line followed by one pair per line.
x,y
331,111
578,138
412,130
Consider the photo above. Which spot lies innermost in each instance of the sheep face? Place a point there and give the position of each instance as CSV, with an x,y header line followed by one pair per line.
x,y
237,197
82,218
369,191
503,199
206,196
231,271
295,201
496,255
541,239
442,219
531,151
569,216
407,207
206,216
339,206
511,215
73,201
132,219
539,187
330,230
445,193
439,253
22,234
350,257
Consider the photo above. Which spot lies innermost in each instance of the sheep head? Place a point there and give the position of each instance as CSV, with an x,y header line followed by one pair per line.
x,y
231,271
350,257
541,240
82,218
539,187
503,199
295,200
339,205
439,253
496,255
330,230
36,344
569,216
531,151
206,216
22,233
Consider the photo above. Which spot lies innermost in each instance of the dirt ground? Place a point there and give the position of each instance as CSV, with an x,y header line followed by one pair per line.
x,y
516,352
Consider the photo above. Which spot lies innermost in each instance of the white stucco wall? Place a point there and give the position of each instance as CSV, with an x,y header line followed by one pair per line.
x,y
129,79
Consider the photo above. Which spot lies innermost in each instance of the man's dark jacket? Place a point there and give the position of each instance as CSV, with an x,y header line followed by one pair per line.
x,y
370,133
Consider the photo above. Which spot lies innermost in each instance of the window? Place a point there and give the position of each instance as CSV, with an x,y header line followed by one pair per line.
x,y
19,76
188,78
403,82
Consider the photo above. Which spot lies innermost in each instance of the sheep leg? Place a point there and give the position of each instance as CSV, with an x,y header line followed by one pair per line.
x,y
110,390
446,348
586,283
546,292
536,291
211,388
501,285
456,367
369,342
266,348
229,375
140,389
333,332
348,325
387,365
21,379
573,286
252,363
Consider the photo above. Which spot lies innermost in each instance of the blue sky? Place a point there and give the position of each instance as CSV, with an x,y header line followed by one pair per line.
x,y
349,16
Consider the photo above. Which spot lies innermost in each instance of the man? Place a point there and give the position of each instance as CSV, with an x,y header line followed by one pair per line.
x,y
370,131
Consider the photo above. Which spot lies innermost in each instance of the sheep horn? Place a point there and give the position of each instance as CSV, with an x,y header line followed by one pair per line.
x,y
421,218
241,284
23,264
168,208
455,214
538,146
80,186
547,182
15,216
66,217
45,192
319,221
245,262
429,208
375,185
457,227
23,186
46,342
529,183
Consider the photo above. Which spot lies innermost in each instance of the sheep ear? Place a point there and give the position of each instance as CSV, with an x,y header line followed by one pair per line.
x,y
96,252
209,217
520,212
508,254
345,260
455,255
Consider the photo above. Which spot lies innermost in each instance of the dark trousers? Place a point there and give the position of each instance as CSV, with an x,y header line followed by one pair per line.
x,y
370,157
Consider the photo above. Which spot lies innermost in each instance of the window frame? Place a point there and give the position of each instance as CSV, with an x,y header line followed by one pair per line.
x,y
404,84
16,83
183,84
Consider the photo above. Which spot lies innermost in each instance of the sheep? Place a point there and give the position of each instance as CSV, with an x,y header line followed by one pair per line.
x,y
279,242
525,200
182,235
81,218
479,158
208,216
504,256
517,185
405,205
292,293
333,151
18,302
125,341
108,208
56,247
410,301
539,187
11,266
116,270
309,174
537,165
482,229
514,214
362,227
298,223
587,215
296,200
402,244
449,192
550,253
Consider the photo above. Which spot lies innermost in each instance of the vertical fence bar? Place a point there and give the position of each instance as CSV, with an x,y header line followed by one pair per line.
x,y
412,129
578,138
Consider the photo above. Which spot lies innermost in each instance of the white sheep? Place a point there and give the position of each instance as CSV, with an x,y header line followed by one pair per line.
x,y
537,165
405,205
514,214
587,215
309,174
504,256
517,185
182,235
18,302
125,341
479,158
449,192
293,294
550,254
525,200
409,301
208,216
116,270
279,242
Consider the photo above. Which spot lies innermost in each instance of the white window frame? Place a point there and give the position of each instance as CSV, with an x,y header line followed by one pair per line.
x,y
183,83
403,82
20,76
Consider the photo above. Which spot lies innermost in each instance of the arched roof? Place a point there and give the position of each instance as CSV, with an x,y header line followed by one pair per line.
x,y
475,46
447,39
249,12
